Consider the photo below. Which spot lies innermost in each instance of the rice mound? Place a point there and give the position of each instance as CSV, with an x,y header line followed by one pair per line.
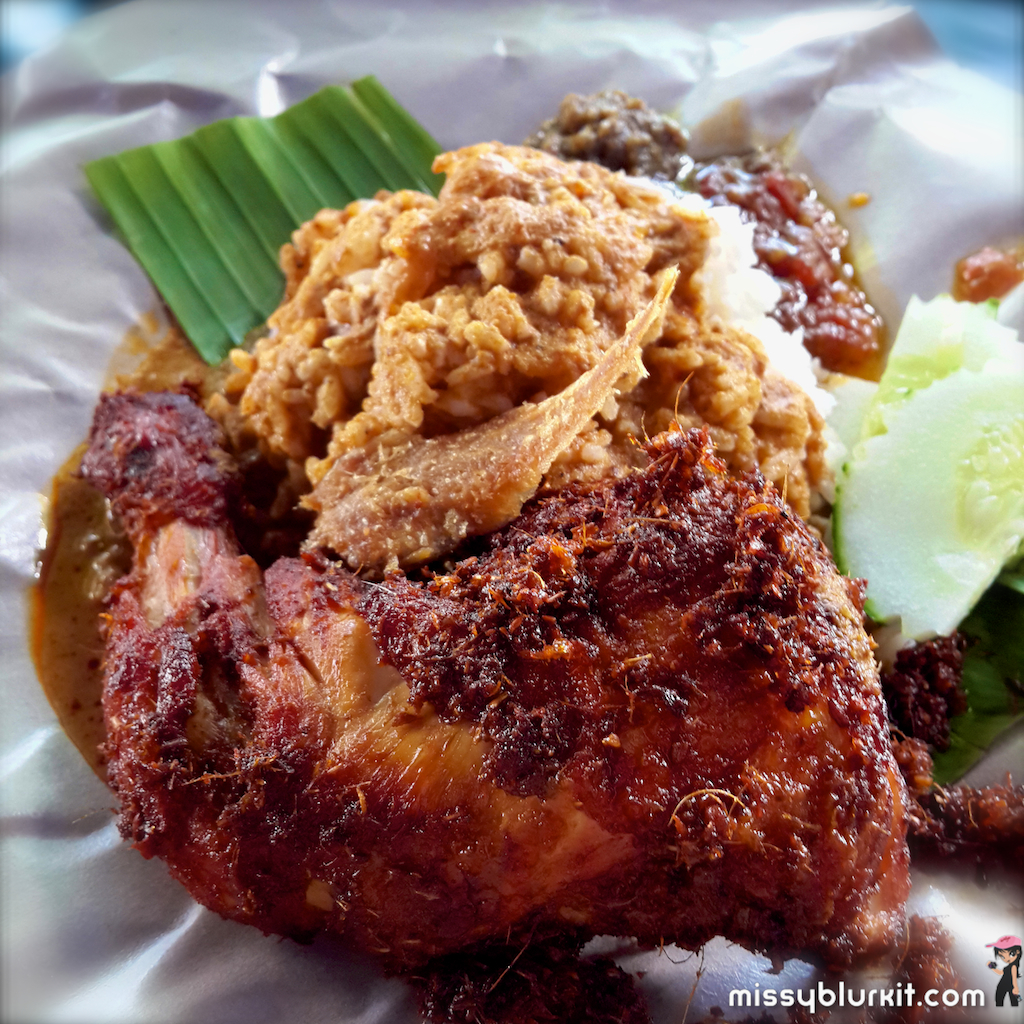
x,y
406,314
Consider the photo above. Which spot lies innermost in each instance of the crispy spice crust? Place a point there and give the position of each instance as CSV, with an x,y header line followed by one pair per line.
x,y
924,690
983,827
522,638
926,963
980,827
540,983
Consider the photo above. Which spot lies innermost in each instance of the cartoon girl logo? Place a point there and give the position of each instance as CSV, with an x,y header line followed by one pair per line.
x,y
1007,966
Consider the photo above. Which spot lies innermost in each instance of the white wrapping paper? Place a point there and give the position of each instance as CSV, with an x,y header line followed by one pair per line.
x,y
92,933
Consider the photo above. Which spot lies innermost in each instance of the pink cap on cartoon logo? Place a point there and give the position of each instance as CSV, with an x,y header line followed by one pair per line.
x,y
1005,942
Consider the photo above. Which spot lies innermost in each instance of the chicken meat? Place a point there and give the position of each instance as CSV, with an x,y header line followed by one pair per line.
x,y
648,708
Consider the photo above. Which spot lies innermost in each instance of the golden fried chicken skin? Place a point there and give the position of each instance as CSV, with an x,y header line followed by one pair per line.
x,y
647,708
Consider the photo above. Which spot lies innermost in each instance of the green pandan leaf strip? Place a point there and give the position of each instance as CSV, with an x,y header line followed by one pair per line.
x,y
206,215
191,247
394,162
317,174
219,218
151,249
257,197
345,158
411,140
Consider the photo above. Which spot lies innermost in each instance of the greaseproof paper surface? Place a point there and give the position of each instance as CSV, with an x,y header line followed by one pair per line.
x,y
92,933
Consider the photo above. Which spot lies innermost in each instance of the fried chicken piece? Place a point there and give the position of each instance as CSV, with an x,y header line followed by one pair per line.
x,y
648,709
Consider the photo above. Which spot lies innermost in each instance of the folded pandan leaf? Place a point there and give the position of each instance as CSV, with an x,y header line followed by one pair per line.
x,y
205,215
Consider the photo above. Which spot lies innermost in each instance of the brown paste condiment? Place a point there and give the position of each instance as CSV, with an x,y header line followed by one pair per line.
x,y
617,131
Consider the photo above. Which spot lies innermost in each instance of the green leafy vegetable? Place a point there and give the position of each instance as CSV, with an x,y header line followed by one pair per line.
x,y
993,678
205,215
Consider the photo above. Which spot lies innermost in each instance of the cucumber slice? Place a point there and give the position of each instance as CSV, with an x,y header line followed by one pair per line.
x,y
936,339
930,510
